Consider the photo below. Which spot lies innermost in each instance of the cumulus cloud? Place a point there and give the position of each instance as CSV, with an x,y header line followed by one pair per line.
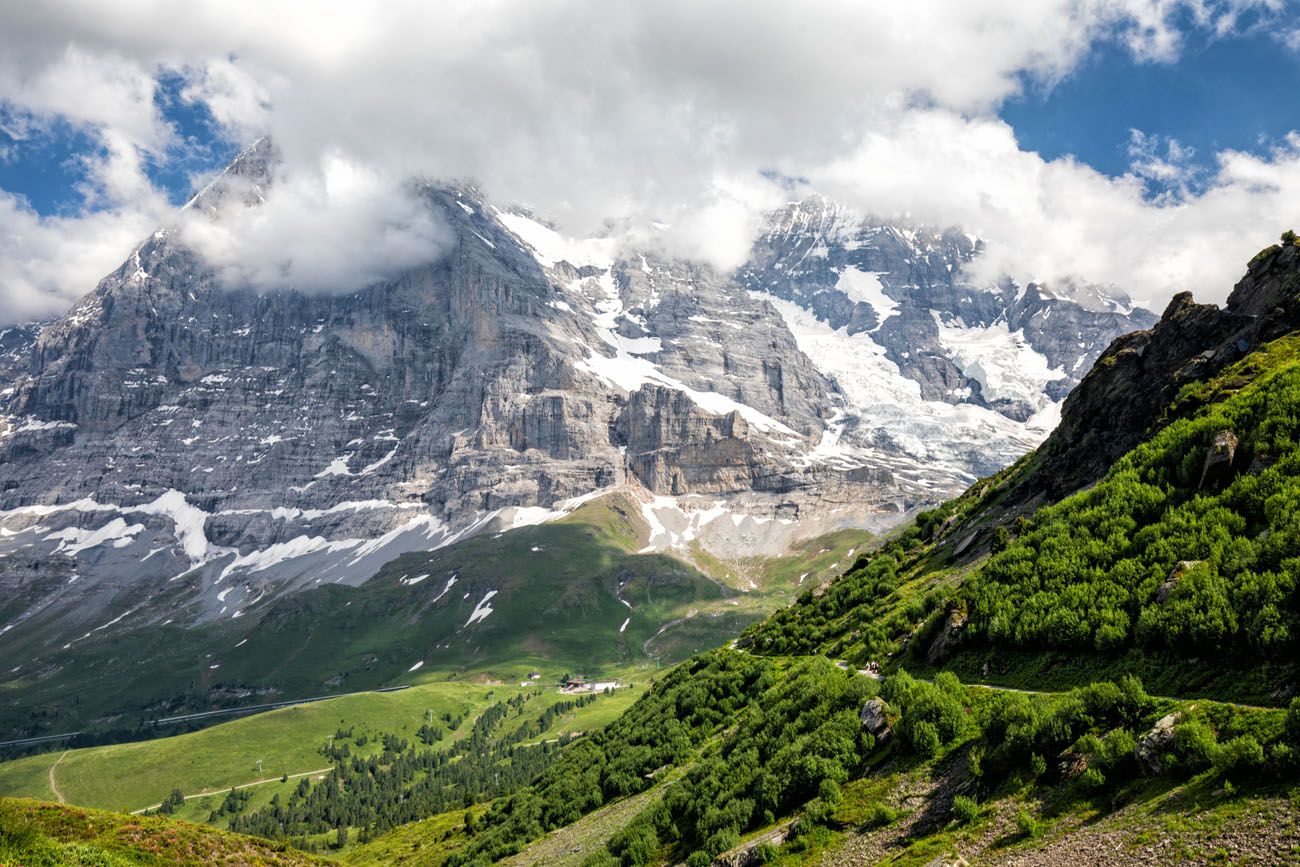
x,y
47,263
334,227
663,113
1061,221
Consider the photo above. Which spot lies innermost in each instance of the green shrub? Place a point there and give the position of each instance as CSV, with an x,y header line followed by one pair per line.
x,y
1117,753
1026,824
1286,760
1240,758
829,792
1194,746
964,809
881,815
1092,780
925,739
1292,725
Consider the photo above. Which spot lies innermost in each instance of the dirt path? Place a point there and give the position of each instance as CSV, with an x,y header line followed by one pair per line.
x,y
206,792
874,675
54,787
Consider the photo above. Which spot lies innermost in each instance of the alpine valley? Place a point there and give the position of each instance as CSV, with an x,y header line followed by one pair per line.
x,y
839,557
185,466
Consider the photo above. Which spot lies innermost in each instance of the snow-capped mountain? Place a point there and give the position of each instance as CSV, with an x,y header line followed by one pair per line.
x,y
944,379
173,447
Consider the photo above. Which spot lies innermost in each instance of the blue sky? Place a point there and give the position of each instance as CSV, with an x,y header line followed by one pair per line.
x,y
1237,92
1234,92
46,164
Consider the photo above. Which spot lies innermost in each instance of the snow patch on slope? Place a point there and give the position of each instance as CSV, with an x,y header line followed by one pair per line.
x,y
1000,360
550,247
865,286
74,540
482,610
886,406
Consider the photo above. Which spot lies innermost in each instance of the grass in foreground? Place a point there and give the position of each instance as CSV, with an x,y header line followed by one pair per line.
x,y
35,834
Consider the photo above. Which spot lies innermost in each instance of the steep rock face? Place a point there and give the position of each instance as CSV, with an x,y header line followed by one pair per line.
x,y
1121,400
170,426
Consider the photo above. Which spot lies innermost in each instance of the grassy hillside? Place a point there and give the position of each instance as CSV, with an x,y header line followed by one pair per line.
x,y
1189,583
289,741
563,592
34,834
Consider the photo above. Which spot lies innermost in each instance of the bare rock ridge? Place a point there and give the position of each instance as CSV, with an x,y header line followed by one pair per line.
x,y
258,444
1123,397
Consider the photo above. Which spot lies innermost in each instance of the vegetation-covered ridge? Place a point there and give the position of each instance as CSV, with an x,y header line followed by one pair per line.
x,y
1190,544
769,746
37,834
1188,549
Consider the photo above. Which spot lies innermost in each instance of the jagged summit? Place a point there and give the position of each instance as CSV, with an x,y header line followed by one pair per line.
x,y
248,176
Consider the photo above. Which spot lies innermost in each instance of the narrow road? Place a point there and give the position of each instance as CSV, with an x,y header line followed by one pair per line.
x,y
54,786
206,792
254,708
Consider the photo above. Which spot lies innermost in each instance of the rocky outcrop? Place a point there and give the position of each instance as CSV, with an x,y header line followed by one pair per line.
x,y
1152,745
1217,469
1125,395
875,719
944,643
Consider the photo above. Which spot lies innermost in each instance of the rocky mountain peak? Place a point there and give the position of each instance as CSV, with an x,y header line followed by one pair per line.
x,y
261,443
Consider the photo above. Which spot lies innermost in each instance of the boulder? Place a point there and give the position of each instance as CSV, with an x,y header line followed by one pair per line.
x,y
1152,744
947,638
875,719
1217,469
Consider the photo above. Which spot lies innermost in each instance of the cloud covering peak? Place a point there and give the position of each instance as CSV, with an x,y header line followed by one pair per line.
x,y
677,112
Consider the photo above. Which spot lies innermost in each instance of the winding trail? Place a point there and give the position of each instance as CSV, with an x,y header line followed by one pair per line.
x,y
54,786
876,675
206,792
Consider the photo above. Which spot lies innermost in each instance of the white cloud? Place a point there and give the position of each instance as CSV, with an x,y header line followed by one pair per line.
x,y
1062,221
1169,172
626,111
336,227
